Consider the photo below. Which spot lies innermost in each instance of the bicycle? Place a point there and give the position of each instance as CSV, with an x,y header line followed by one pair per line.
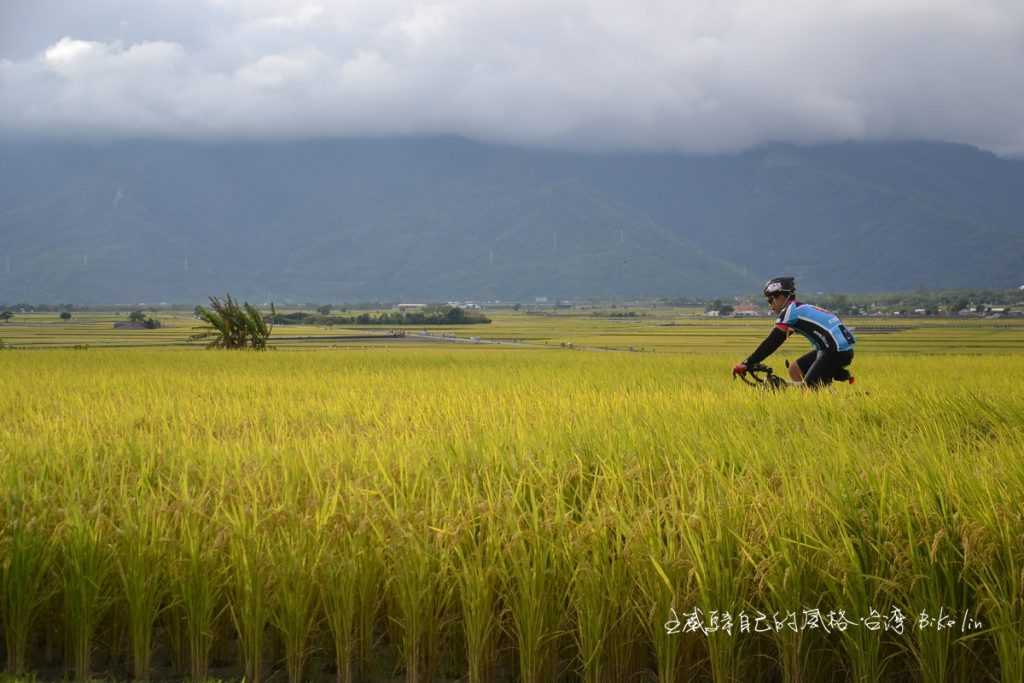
x,y
770,381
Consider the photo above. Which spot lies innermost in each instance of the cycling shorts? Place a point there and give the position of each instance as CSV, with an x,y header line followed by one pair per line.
x,y
820,368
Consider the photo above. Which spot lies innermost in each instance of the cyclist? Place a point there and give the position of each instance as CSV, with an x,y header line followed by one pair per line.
x,y
832,342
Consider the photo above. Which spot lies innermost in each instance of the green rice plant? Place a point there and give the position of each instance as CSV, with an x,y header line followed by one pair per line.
x,y
664,585
536,582
478,579
142,529
250,576
477,570
478,554
714,534
418,544
853,550
87,567
935,562
658,559
27,548
171,633
993,542
599,596
297,544
784,578
607,632
196,577
370,581
348,574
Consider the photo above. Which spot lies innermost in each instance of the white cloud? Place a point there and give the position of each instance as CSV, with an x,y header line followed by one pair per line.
x,y
279,70
699,75
301,18
67,52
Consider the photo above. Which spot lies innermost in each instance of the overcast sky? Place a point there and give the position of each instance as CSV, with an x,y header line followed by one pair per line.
x,y
691,75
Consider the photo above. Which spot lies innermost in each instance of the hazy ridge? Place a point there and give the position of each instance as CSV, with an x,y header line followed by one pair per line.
x,y
445,218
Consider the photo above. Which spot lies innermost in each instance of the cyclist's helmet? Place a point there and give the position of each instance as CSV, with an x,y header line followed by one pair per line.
x,y
786,285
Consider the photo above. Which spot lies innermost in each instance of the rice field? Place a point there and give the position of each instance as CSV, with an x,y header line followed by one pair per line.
x,y
672,330
461,513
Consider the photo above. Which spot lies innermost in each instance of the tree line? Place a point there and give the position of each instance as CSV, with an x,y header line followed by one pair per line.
x,y
435,315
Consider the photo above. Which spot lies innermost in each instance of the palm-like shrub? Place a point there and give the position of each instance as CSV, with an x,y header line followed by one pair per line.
x,y
233,326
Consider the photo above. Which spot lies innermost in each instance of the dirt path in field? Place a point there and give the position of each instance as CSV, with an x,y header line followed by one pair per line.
x,y
450,338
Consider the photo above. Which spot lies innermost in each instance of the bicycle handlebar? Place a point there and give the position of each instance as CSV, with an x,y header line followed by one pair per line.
x,y
769,379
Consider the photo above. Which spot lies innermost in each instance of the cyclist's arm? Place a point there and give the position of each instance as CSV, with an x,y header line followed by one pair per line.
x,y
771,343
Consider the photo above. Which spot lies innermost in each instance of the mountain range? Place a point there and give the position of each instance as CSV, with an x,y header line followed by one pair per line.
x,y
436,219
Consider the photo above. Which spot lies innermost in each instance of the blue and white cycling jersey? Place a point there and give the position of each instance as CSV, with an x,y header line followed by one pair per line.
x,y
822,328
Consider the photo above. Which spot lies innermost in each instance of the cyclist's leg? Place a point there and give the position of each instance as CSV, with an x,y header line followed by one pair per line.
x,y
842,371
821,371
799,369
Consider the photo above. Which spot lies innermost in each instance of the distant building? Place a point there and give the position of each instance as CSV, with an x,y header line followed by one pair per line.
x,y
464,305
746,311
411,307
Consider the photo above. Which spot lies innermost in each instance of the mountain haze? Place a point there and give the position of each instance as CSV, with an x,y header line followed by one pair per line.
x,y
446,218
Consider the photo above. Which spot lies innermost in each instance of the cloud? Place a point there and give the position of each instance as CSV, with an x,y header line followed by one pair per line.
x,y
67,52
696,76
302,18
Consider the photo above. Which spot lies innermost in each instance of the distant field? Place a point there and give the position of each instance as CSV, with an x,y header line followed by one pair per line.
x,y
663,330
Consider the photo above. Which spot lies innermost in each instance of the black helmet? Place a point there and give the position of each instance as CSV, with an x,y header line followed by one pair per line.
x,y
785,285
